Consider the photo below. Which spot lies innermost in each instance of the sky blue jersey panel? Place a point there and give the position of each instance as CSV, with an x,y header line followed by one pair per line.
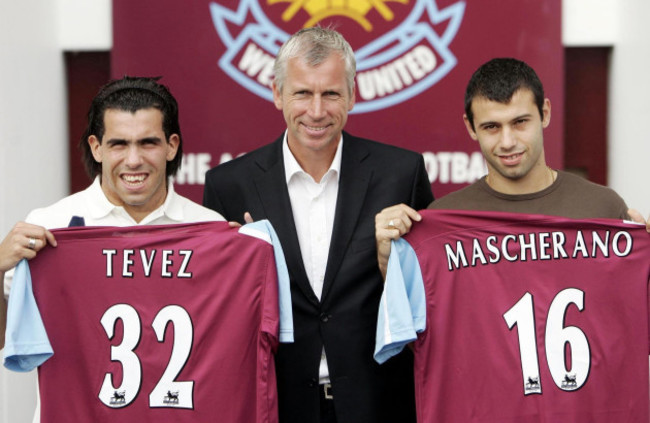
x,y
26,343
402,309
284,290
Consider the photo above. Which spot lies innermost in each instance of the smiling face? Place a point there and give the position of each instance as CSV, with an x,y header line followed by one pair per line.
x,y
315,102
133,153
511,138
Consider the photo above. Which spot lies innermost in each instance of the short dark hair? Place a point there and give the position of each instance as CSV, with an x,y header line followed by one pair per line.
x,y
498,80
131,94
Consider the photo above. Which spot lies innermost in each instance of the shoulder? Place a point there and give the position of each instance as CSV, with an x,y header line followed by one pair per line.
x,y
571,180
593,196
58,215
193,212
377,147
461,199
380,155
588,188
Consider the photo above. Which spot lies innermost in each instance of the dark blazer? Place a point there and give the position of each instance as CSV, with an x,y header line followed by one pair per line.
x,y
373,176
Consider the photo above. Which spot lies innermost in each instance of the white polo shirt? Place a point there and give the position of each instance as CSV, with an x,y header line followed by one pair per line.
x,y
92,205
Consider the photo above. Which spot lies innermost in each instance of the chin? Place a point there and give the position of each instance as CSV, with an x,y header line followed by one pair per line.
x,y
134,201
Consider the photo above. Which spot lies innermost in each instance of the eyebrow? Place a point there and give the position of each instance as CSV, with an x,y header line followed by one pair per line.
x,y
525,115
140,141
493,122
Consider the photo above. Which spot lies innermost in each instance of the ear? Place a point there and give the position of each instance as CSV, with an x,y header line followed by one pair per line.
x,y
172,146
546,113
95,148
468,126
277,96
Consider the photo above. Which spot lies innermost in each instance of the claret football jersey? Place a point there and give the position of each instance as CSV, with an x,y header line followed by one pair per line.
x,y
521,318
174,323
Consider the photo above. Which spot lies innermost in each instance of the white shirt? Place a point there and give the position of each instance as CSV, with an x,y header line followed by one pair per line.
x,y
313,205
94,207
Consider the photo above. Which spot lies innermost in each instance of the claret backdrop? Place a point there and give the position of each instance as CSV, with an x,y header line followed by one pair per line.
x,y
414,58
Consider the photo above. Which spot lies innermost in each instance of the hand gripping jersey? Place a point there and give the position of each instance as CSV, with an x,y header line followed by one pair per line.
x,y
174,323
521,318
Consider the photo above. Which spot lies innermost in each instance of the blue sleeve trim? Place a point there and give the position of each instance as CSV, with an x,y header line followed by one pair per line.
x,y
26,343
402,309
284,289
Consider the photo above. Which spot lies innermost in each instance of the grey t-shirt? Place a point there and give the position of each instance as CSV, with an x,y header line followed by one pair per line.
x,y
569,196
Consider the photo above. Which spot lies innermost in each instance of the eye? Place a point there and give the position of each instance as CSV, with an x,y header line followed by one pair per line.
x,y
149,142
115,143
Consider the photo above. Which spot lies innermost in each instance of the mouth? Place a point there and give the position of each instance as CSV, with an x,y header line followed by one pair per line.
x,y
133,180
511,159
315,129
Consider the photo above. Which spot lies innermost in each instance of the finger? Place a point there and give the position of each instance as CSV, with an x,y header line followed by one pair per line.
x,y
402,223
37,243
411,213
408,214
388,213
388,234
415,215
28,254
29,229
234,224
636,216
33,243
49,236
39,233
248,218
398,225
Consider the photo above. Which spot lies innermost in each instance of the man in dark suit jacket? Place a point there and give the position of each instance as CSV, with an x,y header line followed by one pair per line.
x,y
321,188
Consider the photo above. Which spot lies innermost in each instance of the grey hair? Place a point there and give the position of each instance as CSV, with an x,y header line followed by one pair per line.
x,y
315,45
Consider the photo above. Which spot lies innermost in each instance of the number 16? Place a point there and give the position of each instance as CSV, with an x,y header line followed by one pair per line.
x,y
556,338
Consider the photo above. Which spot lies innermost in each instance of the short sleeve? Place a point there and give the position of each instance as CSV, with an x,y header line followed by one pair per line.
x,y
264,230
402,308
26,343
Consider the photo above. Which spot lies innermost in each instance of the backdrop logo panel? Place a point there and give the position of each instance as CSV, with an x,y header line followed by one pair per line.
x,y
414,59
396,65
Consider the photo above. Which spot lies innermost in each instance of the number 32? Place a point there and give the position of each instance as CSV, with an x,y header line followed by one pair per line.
x,y
168,392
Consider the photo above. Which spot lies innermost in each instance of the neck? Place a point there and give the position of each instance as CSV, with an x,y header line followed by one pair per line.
x,y
316,168
315,162
536,180
138,211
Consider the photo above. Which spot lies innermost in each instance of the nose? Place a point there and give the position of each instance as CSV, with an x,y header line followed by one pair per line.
x,y
508,138
133,156
316,107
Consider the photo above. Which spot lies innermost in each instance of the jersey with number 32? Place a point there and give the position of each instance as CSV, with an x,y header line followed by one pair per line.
x,y
521,318
174,323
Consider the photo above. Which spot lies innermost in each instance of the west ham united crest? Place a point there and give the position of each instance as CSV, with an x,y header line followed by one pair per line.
x,y
401,46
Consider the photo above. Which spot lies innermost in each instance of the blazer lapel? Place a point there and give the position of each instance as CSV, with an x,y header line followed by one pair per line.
x,y
274,195
353,185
